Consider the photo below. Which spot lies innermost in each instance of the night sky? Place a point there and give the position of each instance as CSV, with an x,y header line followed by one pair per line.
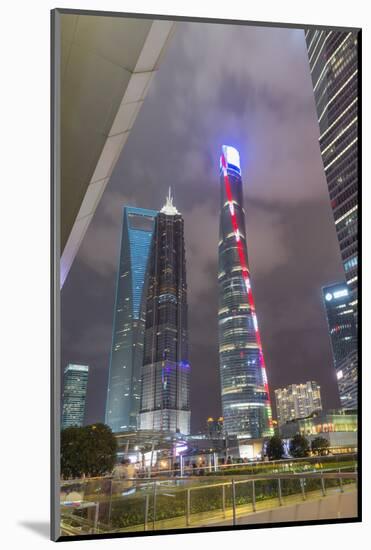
x,y
249,87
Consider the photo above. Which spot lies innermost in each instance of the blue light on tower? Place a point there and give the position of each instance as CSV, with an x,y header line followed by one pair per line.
x,y
232,157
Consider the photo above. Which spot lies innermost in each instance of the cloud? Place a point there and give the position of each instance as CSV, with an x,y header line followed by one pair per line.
x,y
100,247
201,241
267,246
96,339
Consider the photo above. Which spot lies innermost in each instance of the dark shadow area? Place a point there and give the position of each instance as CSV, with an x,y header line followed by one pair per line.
x,y
42,528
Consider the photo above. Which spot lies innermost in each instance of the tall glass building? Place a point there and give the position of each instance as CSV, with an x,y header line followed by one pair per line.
x,y
165,402
245,394
123,395
342,329
333,65
75,384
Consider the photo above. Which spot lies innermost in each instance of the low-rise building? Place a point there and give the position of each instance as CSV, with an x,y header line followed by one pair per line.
x,y
215,427
339,427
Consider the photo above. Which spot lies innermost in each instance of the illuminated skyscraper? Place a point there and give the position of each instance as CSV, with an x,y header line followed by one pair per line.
x,y
333,65
166,371
297,401
126,359
245,394
343,335
75,384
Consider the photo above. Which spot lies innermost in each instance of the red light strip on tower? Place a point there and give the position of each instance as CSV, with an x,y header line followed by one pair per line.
x,y
245,273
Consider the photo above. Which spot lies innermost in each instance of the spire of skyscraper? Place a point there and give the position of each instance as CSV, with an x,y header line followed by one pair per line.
x,y
169,207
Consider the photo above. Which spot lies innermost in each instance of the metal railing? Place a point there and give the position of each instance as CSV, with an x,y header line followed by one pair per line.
x,y
105,505
184,467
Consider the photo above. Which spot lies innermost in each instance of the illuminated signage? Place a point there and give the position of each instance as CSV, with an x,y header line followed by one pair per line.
x,y
341,293
337,294
339,374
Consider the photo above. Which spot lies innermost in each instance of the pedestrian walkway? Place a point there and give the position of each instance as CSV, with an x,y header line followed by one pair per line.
x,y
244,513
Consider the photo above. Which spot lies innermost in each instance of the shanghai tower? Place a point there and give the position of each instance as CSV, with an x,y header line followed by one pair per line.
x,y
244,386
164,402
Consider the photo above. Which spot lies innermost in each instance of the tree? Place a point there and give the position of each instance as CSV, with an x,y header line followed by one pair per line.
x,y
89,450
275,448
72,442
299,446
320,445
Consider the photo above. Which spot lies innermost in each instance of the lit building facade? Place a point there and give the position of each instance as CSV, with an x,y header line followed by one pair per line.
x,y
337,299
244,386
297,401
123,395
75,385
333,64
215,427
347,378
339,427
164,404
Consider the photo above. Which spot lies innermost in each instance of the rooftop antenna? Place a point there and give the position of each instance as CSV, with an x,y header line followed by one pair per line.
x,y
169,207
